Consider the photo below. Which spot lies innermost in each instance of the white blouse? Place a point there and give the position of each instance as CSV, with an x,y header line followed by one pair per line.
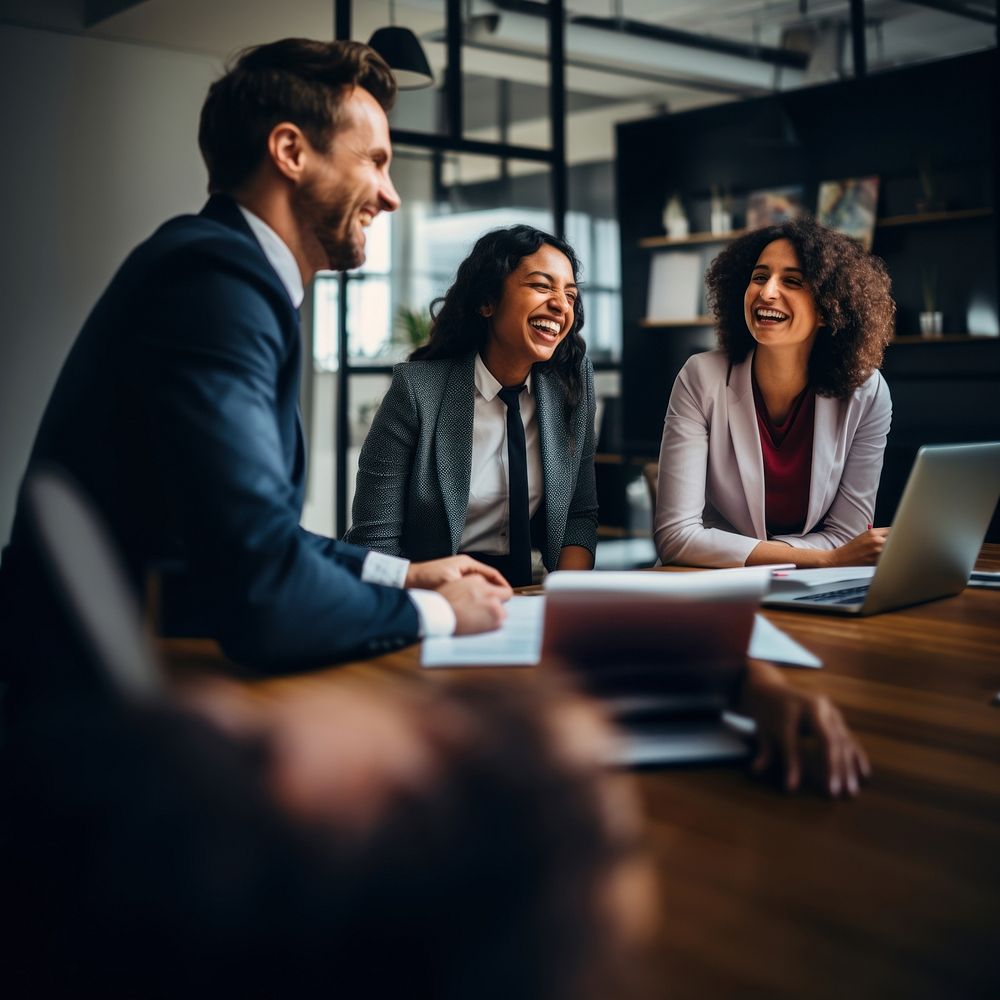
x,y
489,498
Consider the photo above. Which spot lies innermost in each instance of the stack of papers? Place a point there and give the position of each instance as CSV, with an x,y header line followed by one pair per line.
x,y
518,642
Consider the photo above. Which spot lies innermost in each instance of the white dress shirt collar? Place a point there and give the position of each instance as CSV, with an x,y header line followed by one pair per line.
x,y
278,255
486,385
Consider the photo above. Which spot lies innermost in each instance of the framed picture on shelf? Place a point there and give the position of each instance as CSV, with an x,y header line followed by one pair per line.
x,y
676,286
774,206
849,207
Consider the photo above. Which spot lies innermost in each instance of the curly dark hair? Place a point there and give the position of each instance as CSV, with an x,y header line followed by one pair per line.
x,y
295,79
459,326
852,292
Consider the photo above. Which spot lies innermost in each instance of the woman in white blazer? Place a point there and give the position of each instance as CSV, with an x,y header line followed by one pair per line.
x,y
772,445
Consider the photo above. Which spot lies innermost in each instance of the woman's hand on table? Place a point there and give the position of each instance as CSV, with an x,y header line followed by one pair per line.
x,y
801,734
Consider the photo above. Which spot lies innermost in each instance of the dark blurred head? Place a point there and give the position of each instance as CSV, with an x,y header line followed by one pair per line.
x,y
149,853
294,80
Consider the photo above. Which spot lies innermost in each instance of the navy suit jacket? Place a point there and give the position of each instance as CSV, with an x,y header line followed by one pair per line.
x,y
177,412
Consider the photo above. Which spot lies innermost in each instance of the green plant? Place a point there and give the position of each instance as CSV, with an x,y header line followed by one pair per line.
x,y
413,326
928,281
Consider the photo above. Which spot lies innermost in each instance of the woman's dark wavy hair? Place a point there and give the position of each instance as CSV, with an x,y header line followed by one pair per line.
x,y
852,292
458,325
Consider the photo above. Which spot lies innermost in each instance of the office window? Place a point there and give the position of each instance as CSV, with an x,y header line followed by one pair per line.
x,y
596,242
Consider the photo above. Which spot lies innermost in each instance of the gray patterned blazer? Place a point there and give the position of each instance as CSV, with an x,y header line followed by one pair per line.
x,y
412,491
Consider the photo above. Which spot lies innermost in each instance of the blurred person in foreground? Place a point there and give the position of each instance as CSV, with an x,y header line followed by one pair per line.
x,y
345,838
351,836
177,408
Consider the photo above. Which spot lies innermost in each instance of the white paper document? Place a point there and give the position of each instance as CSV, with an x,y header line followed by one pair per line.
x,y
518,642
768,642
816,579
623,586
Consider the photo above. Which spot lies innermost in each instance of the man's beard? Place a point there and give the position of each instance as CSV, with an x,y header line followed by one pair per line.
x,y
329,223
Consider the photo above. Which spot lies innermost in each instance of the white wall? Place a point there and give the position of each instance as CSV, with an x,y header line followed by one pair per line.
x,y
100,147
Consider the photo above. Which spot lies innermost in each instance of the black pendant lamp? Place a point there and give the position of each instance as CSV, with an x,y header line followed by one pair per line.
x,y
400,48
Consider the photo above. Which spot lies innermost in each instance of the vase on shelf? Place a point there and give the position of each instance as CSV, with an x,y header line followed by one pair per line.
x,y
675,222
722,221
720,212
931,323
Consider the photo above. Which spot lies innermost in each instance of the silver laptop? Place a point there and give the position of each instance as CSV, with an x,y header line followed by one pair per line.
x,y
936,536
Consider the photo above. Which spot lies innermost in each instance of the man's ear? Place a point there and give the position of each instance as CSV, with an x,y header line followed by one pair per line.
x,y
288,150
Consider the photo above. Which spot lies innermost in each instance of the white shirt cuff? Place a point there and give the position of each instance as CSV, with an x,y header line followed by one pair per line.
x,y
390,571
436,615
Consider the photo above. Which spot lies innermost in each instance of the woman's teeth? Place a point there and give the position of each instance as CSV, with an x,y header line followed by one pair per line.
x,y
546,326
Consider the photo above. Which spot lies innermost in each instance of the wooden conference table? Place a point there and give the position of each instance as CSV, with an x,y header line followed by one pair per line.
x,y
893,895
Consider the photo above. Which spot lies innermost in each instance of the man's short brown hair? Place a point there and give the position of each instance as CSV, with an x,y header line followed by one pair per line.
x,y
295,80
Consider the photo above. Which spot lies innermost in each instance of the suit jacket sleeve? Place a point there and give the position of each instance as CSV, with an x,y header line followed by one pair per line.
x,y
211,354
384,467
581,524
853,507
678,526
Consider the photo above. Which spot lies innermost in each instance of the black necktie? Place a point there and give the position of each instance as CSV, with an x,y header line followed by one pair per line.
x,y
519,528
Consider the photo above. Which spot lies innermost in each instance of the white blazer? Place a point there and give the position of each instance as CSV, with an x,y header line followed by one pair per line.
x,y
710,492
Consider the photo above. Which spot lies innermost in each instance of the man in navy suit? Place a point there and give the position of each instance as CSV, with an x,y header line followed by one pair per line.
x,y
177,408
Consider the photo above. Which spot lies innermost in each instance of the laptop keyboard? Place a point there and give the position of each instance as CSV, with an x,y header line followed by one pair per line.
x,y
849,595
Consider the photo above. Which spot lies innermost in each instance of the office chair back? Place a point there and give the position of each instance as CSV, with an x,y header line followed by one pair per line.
x,y
89,582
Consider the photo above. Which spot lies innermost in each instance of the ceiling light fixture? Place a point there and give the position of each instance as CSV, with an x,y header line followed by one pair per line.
x,y
400,48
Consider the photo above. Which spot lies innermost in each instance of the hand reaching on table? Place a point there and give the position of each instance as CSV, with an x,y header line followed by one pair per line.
x,y
478,604
435,573
475,591
800,732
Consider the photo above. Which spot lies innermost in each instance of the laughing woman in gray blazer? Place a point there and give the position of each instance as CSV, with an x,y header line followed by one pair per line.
x,y
772,446
484,442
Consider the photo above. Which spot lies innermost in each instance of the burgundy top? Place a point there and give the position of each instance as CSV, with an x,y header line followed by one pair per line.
x,y
786,449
